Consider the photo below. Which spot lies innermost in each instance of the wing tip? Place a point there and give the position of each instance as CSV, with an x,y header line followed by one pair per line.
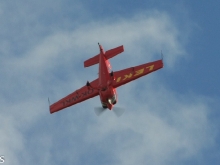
x,y
162,57
50,109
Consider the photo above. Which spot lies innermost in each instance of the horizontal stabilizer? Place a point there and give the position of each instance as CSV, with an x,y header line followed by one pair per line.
x,y
113,52
108,54
92,61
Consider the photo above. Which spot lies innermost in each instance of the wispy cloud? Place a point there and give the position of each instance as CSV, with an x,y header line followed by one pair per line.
x,y
159,126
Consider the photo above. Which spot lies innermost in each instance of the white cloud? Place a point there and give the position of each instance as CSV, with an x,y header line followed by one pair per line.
x,y
159,130
157,126
141,36
11,139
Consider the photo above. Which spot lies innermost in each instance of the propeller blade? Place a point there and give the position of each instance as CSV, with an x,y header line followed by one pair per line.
x,y
118,111
99,110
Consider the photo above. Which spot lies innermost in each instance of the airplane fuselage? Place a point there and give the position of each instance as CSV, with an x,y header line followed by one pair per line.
x,y
107,82
107,93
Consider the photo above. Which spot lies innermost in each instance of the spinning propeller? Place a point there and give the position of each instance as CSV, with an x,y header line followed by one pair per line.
x,y
118,111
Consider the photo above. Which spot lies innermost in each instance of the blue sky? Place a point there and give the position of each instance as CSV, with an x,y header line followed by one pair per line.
x,y
172,116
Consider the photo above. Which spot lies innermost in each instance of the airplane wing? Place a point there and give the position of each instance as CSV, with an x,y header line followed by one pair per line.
x,y
126,75
78,96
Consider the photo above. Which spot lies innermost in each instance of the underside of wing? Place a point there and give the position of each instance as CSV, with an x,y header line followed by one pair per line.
x,y
78,96
126,75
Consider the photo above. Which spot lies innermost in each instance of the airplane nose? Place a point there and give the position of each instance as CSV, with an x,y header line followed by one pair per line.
x,y
110,106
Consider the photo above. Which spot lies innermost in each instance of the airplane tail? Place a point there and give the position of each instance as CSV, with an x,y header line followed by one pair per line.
x,y
108,54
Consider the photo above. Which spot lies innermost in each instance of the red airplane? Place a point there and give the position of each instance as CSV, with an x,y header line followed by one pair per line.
x,y
107,82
